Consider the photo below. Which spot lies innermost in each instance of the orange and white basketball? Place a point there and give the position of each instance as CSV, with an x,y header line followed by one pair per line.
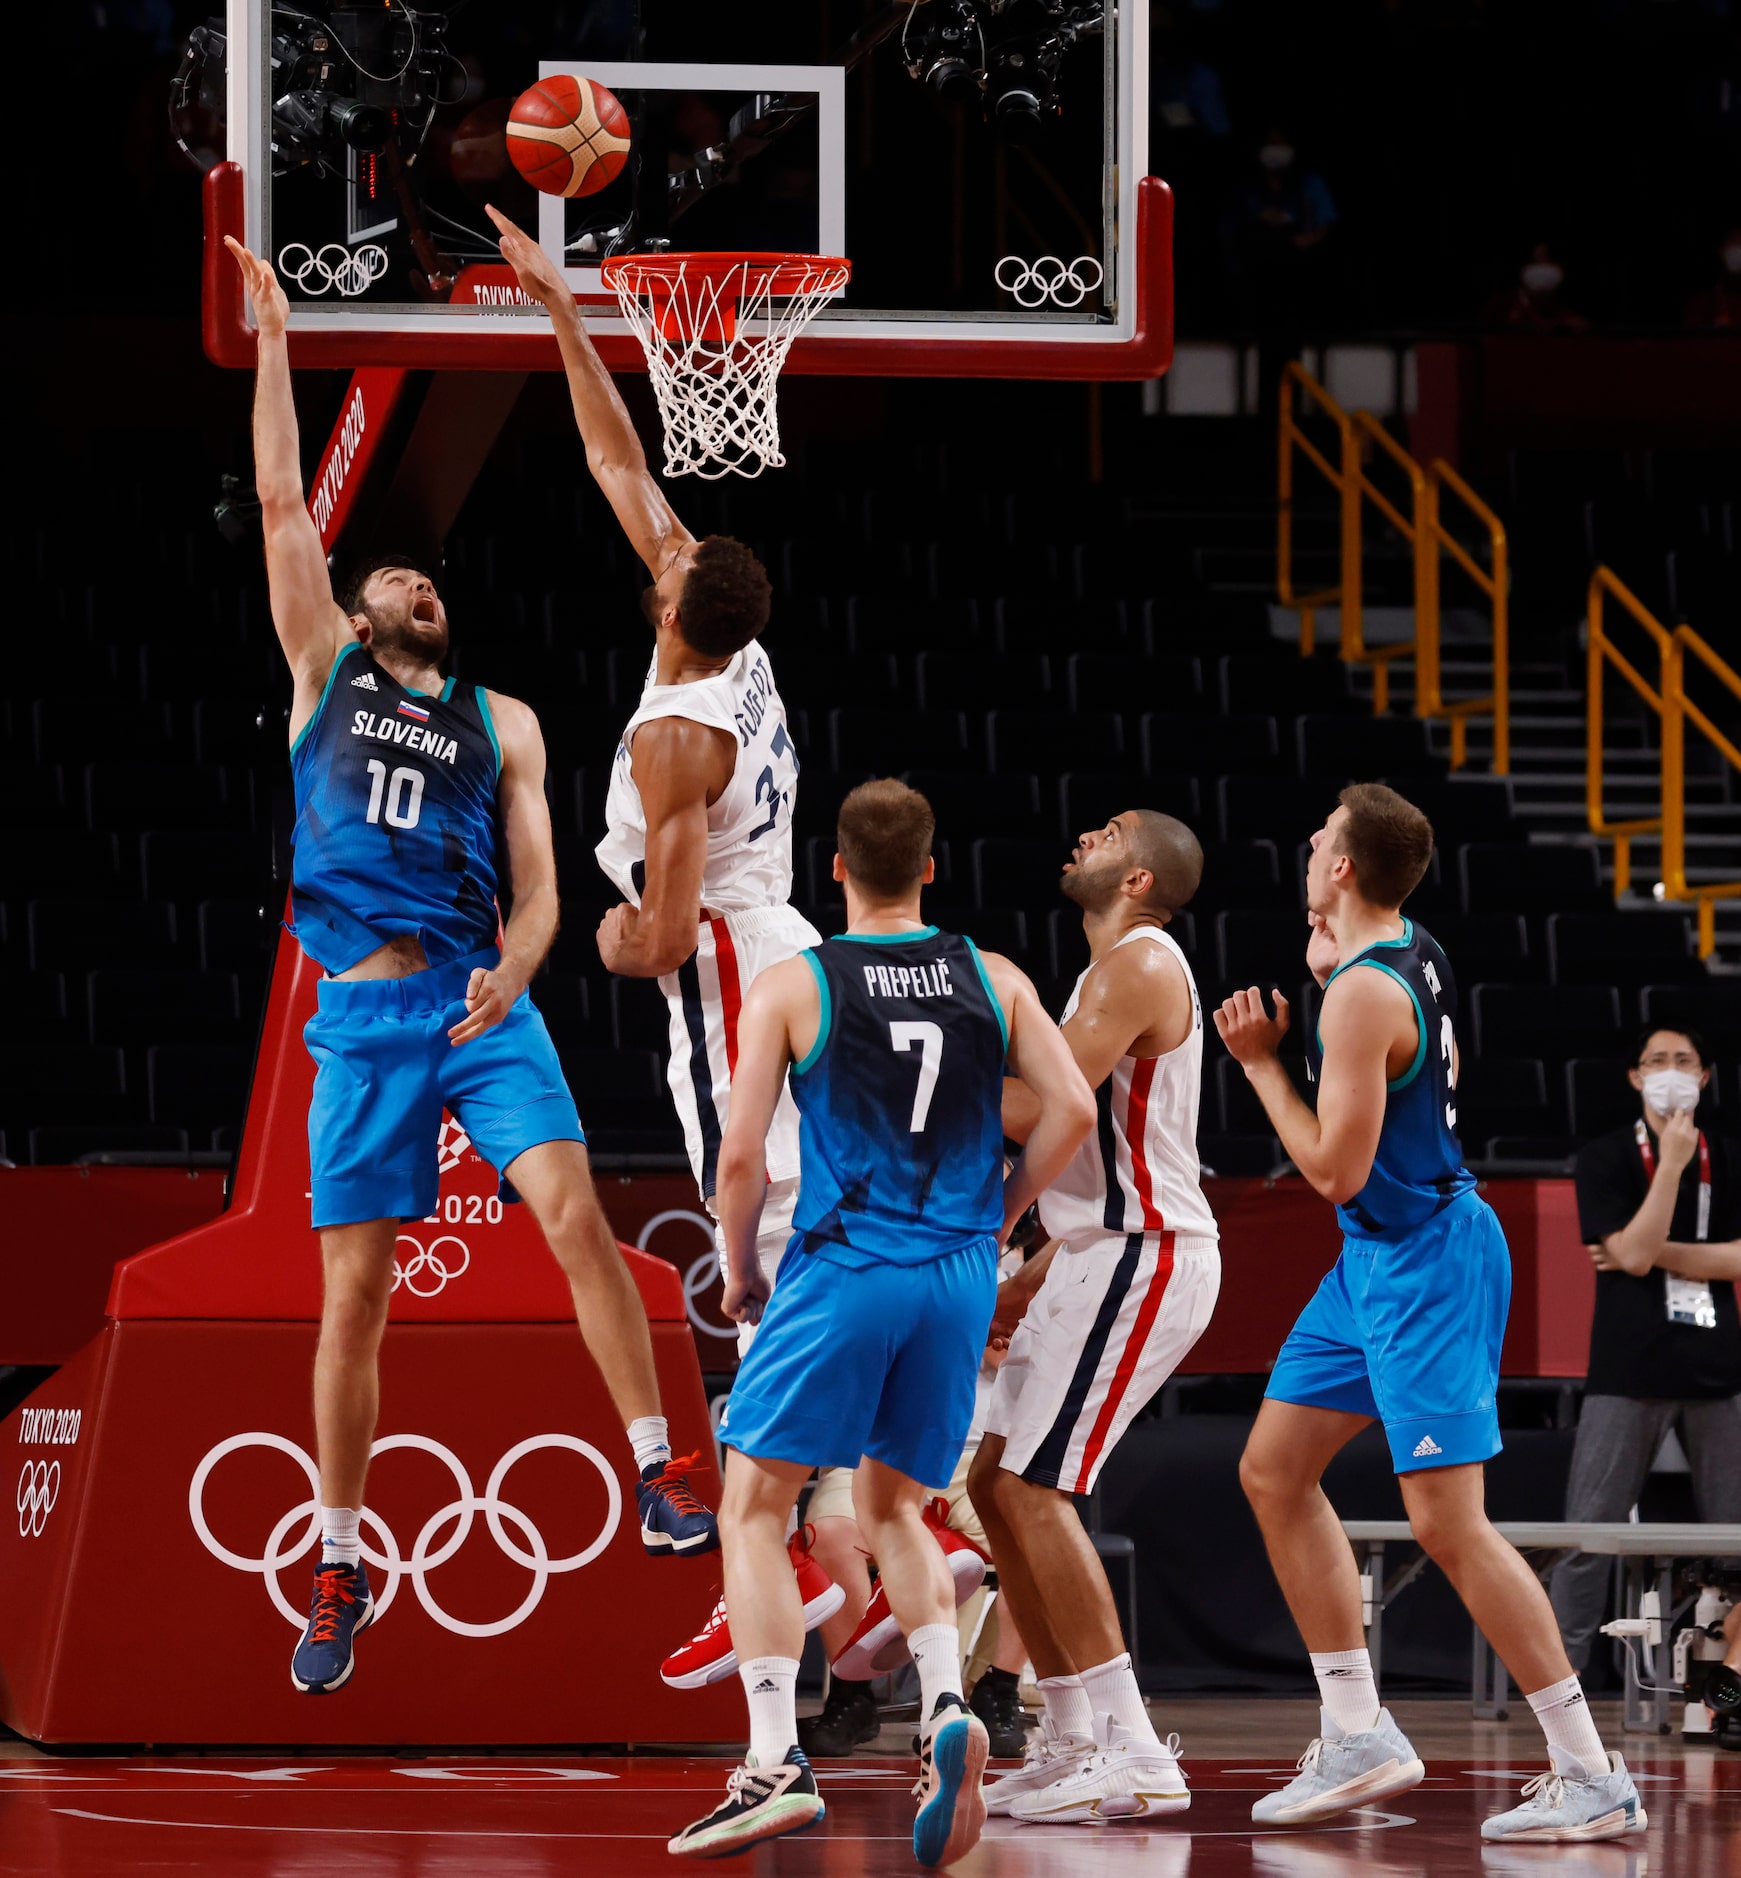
x,y
568,136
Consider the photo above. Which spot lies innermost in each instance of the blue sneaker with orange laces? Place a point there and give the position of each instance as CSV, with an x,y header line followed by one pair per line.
x,y
673,1521
341,1606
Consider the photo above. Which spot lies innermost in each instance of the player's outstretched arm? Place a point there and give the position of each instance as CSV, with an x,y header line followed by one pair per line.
x,y
782,1005
679,767
1042,1059
613,450
310,626
525,818
1334,1148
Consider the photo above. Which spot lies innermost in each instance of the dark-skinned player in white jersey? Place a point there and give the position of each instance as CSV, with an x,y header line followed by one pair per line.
x,y
1405,1329
394,893
699,818
1101,1320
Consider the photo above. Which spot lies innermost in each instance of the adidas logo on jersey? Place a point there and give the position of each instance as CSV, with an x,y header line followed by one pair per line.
x,y
365,681
1426,1446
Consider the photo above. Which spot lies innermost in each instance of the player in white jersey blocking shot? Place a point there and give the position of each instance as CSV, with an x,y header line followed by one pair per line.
x,y
699,817
1104,1319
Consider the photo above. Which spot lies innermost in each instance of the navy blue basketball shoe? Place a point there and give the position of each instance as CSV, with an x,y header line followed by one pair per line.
x,y
340,1607
673,1521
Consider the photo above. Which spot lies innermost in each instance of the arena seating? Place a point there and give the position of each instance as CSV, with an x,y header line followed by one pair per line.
x,y
1034,669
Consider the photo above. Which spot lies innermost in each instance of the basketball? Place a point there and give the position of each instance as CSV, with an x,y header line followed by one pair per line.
x,y
568,136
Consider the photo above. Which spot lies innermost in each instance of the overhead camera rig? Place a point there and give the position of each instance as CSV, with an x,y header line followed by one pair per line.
x,y
1007,54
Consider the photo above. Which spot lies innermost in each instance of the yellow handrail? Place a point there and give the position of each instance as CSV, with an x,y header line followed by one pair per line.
x,y
1345,480
1602,652
1428,540
1679,707
1496,584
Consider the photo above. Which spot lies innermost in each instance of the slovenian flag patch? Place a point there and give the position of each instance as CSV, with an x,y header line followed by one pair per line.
x,y
413,710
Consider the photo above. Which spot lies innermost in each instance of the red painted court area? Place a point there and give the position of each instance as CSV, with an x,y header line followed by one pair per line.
x,y
484,1818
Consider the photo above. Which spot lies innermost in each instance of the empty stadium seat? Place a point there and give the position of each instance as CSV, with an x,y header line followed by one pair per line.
x,y
1241,1111
127,798
189,865
1016,873
1484,948
1051,741
1513,878
1551,1021
128,1006
1240,873
1284,685
67,730
1501,1095
1270,808
1363,749
42,860
1627,949
1260,948
992,928
61,1082
968,804
1598,1095
1037,622
955,679
1712,1008
1202,743
640,1019
196,1085
877,743
236,935
77,935
1235,1157
1101,681
56,1145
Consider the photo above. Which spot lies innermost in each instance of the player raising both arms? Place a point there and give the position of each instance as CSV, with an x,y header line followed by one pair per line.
x,y
1105,1318
411,808
896,1036
699,810
1405,1329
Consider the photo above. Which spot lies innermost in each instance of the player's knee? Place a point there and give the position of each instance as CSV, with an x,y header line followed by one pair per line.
x,y
574,1224
1445,1532
1265,1477
982,1477
355,1309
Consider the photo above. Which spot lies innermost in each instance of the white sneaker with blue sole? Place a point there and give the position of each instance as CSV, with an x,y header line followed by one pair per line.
x,y
952,1754
1341,1771
1567,1805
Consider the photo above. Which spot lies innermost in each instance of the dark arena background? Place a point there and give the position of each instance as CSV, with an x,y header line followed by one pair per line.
x,y
1393,433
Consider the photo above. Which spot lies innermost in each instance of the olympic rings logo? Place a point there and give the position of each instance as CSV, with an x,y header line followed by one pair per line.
x,y
334,266
1064,283
38,1489
701,1275
428,1259
529,1550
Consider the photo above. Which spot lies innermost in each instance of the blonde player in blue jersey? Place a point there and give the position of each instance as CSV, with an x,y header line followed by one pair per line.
x,y
418,799
868,1352
1405,1330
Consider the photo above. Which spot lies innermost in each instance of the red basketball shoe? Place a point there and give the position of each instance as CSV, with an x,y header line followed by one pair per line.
x,y
877,1645
708,1656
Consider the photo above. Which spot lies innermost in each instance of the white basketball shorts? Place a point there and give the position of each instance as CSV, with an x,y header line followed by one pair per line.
x,y
705,995
1115,1317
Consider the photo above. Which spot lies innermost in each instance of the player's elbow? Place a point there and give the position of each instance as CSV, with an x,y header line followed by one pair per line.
x,y
1078,1114
741,1162
1338,1184
1633,1258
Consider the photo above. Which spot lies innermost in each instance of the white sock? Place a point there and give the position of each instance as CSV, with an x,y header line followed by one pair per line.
x,y
937,1652
651,1440
1569,1726
1346,1689
1067,1706
340,1541
1113,1696
771,1684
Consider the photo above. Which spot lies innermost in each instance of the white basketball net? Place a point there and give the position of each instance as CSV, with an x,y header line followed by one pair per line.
x,y
716,395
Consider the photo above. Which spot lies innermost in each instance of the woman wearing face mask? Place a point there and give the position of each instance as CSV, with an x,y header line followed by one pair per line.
x,y
1720,303
1537,303
1659,1204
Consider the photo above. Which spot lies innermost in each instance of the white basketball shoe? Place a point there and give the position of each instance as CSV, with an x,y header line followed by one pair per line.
x,y
1129,1778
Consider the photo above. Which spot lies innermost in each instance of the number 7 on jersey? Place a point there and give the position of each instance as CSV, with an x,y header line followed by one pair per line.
x,y
929,1038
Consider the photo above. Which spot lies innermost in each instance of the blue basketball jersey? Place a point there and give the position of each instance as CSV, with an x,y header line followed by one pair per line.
x,y
395,818
900,1101
1418,1169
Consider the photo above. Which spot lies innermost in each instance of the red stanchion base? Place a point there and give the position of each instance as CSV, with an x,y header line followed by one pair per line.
x,y
160,1475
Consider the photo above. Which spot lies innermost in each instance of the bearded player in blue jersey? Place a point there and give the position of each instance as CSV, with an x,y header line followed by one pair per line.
x,y
415,795
896,1037
1405,1330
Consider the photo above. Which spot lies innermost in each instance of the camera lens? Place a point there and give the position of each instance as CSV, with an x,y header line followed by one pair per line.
x,y
951,78
364,127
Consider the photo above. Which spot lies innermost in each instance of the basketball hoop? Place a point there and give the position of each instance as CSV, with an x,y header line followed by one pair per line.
x,y
716,329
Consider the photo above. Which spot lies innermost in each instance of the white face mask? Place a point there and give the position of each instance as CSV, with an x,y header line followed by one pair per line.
x,y
1543,276
1732,257
1276,156
1669,1090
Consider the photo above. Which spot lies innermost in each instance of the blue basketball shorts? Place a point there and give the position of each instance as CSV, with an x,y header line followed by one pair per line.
x,y
384,1071
856,1360
1408,1331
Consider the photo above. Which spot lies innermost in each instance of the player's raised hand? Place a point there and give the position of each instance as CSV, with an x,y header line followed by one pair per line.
x,y
533,268
1248,1030
489,997
744,1298
271,309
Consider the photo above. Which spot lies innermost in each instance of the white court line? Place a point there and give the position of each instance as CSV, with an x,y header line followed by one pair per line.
x,y
1356,1823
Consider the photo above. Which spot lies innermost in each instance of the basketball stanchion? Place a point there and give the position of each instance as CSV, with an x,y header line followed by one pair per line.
x,y
716,328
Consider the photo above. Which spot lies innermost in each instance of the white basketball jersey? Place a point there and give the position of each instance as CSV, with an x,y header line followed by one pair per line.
x,y
1138,1171
749,829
